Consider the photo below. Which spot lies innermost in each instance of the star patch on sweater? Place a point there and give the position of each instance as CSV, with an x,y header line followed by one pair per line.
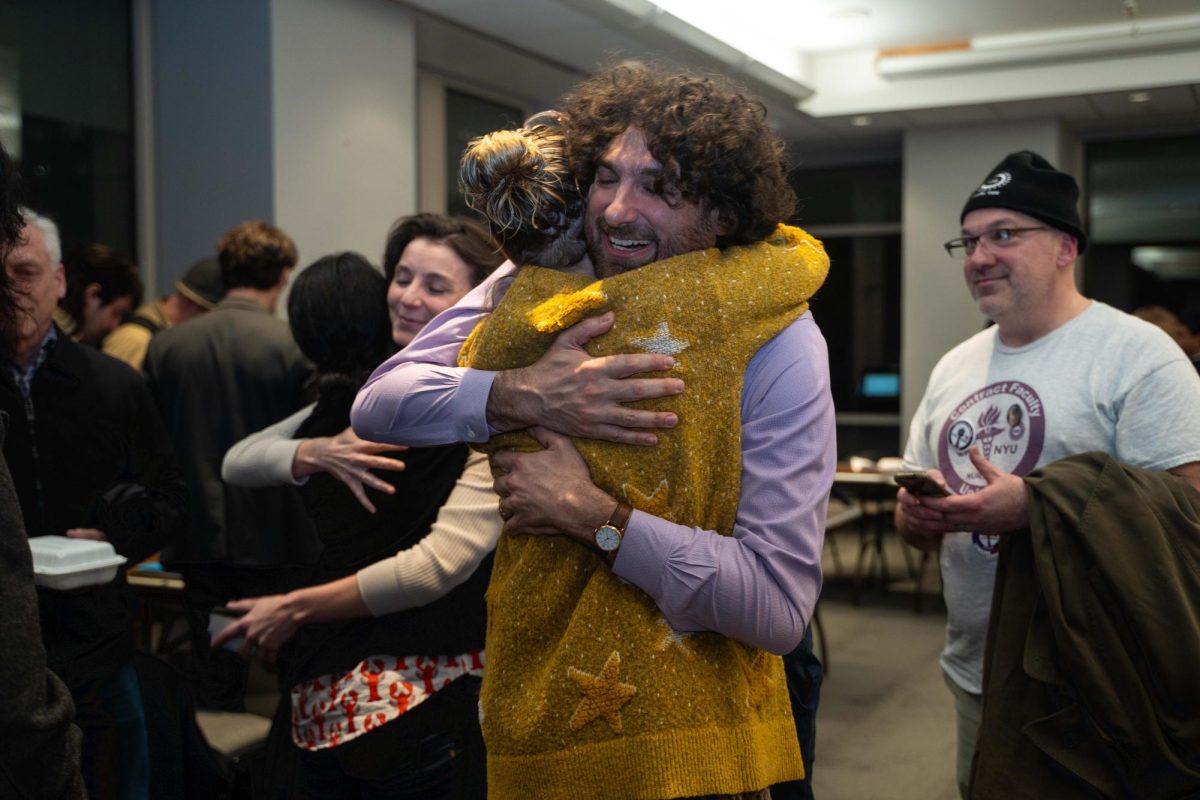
x,y
603,695
661,341
656,503
673,638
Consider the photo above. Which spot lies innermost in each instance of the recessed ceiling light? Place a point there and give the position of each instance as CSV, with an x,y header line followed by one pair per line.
x,y
861,121
1139,97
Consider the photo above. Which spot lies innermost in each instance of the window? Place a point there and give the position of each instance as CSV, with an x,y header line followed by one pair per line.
x,y
855,211
1143,201
468,116
66,114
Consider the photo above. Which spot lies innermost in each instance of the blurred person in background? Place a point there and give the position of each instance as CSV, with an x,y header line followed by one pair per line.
x,y
39,747
90,460
103,287
198,291
217,378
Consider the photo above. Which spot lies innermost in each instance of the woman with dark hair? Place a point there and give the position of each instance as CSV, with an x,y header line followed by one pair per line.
x,y
387,649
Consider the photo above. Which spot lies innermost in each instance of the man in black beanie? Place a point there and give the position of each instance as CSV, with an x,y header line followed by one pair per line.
x,y
1057,375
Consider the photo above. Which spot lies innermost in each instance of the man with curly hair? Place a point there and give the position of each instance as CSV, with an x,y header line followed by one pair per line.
x,y
673,166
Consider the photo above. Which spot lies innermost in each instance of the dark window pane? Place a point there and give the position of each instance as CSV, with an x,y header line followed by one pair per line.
x,y
847,195
468,116
73,91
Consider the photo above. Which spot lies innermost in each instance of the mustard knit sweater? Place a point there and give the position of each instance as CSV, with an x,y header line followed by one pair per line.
x,y
589,692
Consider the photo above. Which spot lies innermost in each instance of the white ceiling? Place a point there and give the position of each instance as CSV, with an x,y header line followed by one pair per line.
x,y
830,48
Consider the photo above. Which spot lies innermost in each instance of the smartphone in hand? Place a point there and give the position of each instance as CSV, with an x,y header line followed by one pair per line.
x,y
919,484
221,618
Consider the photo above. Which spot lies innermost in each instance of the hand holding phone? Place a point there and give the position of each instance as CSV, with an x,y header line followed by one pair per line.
x,y
218,620
919,484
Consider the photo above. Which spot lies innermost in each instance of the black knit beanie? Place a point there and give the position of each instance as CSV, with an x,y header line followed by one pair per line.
x,y
1028,183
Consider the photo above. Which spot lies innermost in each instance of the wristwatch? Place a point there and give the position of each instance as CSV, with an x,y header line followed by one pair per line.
x,y
608,536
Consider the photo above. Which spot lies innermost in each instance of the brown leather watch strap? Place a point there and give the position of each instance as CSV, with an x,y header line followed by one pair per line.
x,y
619,518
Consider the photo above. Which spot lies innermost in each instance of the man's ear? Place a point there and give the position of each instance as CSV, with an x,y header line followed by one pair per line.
x,y
723,223
1068,251
60,277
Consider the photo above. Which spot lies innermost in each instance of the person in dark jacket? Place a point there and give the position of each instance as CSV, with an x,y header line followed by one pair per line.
x,y
89,460
39,747
217,378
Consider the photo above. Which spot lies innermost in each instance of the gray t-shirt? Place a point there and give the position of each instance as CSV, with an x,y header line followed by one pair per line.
x,y
1103,381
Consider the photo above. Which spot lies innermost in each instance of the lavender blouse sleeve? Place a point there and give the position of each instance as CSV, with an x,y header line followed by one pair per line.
x,y
419,396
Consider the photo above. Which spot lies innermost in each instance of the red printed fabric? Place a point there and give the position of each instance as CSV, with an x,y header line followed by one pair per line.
x,y
333,709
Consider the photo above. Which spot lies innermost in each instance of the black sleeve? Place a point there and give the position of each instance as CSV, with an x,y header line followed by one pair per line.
x,y
147,507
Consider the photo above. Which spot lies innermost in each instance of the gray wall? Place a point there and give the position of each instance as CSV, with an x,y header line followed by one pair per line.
x,y
298,112
212,125
345,121
942,166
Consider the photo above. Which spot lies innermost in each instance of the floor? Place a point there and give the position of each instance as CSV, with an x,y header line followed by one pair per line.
x,y
885,727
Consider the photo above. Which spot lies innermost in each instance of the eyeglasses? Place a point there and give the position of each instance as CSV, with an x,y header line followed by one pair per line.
x,y
996,239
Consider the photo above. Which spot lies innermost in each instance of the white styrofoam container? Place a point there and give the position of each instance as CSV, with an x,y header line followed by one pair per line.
x,y
62,563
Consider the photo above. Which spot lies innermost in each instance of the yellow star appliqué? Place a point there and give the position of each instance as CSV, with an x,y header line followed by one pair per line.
x,y
657,503
603,694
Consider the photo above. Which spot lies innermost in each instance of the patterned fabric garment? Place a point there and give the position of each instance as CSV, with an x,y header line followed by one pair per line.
x,y
584,671
334,709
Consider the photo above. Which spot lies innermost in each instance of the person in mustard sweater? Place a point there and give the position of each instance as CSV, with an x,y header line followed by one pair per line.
x,y
632,623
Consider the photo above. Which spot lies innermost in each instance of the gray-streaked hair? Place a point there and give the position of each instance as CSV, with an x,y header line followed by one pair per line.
x,y
49,233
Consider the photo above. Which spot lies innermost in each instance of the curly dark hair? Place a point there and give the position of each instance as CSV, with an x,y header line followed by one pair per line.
x,y
712,140
469,240
254,254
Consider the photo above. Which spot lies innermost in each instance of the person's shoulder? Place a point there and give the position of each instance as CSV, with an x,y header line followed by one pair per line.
x,y
795,362
799,344
968,349
1129,341
97,369
105,364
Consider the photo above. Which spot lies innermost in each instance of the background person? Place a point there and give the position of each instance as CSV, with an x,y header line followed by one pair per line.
x,y
198,291
103,287
90,460
217,378
1084,376
39,746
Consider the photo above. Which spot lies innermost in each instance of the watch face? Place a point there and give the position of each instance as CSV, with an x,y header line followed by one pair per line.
x,y
608,538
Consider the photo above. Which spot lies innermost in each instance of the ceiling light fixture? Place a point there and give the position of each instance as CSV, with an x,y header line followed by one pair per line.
x,y
1139,97
1045,47
860,121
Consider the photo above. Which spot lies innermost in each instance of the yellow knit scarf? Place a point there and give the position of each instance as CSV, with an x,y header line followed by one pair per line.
x,y
589,692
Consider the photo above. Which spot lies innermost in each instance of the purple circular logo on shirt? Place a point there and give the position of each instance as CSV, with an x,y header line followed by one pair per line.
x,y
1006,421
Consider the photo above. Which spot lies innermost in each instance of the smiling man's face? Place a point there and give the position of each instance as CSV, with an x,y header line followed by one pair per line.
x,y
629,224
